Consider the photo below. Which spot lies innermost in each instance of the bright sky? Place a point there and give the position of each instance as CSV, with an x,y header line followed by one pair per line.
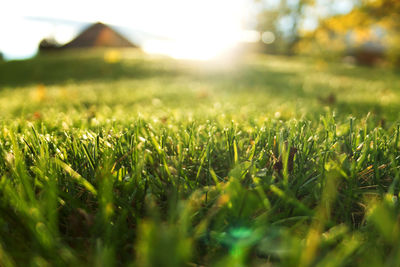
x,y
194,28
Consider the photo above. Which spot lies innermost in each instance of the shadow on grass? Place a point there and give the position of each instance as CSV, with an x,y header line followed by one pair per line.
x,y
50,69
363,72
255,83
54,70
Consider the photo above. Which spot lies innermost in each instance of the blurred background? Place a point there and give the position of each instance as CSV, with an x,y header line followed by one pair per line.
x,y
355,31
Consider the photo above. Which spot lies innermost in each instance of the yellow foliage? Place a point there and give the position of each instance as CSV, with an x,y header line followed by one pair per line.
x,y
342,24
362,35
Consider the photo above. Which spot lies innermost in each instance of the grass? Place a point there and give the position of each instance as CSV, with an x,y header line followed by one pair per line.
x,y
147,161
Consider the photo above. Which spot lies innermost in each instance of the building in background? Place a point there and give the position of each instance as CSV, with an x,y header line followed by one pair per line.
x,y
96,35
99,35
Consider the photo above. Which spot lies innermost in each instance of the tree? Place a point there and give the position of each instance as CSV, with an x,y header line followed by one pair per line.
x,y
284,19
386,13
48,44
369,32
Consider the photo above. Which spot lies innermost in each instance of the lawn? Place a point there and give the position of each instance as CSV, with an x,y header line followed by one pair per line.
x,y
114,158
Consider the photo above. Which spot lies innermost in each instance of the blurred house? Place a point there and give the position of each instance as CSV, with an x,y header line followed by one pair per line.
x,y
368,53
99,35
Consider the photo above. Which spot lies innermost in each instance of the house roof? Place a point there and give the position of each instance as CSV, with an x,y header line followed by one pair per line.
x,y
99,35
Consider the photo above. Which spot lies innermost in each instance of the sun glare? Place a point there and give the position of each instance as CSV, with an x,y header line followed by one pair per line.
x,y
179,28
200,31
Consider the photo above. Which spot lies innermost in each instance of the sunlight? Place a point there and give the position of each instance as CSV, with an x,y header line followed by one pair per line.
x,y
198,30
178,28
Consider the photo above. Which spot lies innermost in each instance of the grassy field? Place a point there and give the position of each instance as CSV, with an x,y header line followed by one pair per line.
x,y
114,158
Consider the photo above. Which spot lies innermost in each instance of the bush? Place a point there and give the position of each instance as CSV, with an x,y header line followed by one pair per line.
x,y
48,44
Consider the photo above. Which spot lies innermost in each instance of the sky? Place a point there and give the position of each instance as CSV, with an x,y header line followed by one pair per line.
x,y
213,25
196,29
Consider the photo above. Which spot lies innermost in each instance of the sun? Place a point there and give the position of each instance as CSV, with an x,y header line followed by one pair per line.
x,y
199,29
